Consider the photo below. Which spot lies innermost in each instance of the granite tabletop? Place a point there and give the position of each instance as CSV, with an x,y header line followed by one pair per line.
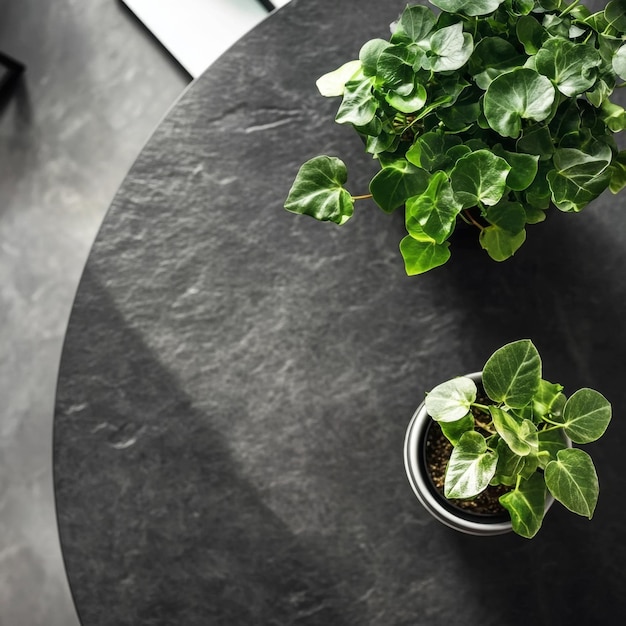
x,y
236,381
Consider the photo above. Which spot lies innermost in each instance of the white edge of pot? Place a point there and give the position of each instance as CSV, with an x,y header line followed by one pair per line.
x,y
419,481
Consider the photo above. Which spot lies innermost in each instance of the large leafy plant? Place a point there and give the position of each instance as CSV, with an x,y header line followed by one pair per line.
x,y
519,438
488,112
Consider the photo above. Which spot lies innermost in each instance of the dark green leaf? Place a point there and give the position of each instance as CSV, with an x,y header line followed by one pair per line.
x,y
508,216
530,33
395,69
615,14
509,465
318,191
359,105
551,441
520,435
512,373
469,7
536,139
618,173
526,505
396,183
572,66
414,25
471,467
586,416
523,168
453,431
479,177
491,57
517,95
429,150
421,256
369,55
573,481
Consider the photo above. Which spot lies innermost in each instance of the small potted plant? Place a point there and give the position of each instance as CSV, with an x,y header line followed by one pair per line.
x,y
488,113
490,452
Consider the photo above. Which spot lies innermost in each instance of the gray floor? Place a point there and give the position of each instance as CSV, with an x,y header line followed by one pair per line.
x,y
96,84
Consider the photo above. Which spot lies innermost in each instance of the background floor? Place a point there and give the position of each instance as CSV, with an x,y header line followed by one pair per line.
x,y
96,84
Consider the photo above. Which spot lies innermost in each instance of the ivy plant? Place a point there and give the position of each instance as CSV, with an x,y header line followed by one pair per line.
x,y
520,437
486,112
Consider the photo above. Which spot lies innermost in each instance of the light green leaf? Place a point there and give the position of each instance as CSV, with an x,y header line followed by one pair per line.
x,y
509,465
548,399
469,7
614,116
512,373
471,467
369,55
408,104
435,210
573,481
526,505
318,191
451,401
453,431
579,177
572,66
517,95
508,216
586,416
450,48
520,435
414,25
479,177
500,244
421,256
619,62
333,83
359,105
396,183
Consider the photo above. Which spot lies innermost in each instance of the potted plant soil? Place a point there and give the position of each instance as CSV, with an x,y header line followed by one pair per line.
x,y
490,452
483,112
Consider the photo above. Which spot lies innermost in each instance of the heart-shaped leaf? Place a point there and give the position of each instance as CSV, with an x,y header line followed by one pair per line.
x,y
414,25
318,191
450,48
408,104
523,168
517,95
530,33
573,481
422,255
471,467
579,177
586,416
451,401
469,7
507,216
429,151
526,505
491,57
520,435
333,83
571,66
396,183
359,105
500,244
395,68
479,177
370,53
512,373
435,210
453,431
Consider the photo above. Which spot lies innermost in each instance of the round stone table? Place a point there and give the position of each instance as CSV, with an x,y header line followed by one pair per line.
x,y
236,381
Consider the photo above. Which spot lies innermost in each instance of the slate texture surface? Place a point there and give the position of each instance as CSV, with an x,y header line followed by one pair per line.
x,y
236,381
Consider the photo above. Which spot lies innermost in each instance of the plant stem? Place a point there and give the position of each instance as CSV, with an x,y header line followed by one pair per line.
x,y
482,407
555,424
472,220
569,8
363,197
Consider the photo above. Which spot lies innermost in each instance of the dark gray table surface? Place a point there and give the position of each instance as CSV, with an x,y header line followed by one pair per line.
x,y
236,381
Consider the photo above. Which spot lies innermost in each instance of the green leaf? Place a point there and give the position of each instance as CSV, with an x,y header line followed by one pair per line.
x,y
469,7
536,139
571,66
453,431
520,435
517,95
421,256
551,442
450,48
509,465
526,506
523,168
479,177
491,57
414,25
369,55
548,398
396,183
359,105
395,68
408,104
618,173
512,373
615,14
586,416
508,216
619,62
614,116
573,481
579,177
471,467
429,150
530,33
333,83
500,244
435,210
318,191
451,401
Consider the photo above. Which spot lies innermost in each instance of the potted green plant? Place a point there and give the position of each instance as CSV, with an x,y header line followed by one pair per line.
x,y
490,452
488,113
